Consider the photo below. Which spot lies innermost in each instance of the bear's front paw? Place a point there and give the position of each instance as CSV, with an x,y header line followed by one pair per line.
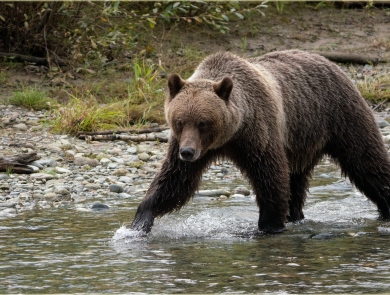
x,y
143,222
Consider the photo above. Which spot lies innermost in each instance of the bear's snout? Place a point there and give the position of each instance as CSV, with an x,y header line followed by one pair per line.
x,y
187,153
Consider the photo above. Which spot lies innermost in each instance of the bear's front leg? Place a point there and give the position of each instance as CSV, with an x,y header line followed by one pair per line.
x,y
268,173
171,189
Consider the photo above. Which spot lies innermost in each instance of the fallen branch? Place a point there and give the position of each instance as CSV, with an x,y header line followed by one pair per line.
x,y
82,135
18,164
349,57
33,59
125,137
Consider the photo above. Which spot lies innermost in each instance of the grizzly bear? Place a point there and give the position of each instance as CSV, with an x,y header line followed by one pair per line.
x,y
274,117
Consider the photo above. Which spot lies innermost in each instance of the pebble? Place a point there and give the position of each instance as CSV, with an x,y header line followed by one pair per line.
x,y
382,123
144,156
92,186
116,188
41,176
242,191
132,150
125,179
81,161
21,126
124,195
45,162
62,170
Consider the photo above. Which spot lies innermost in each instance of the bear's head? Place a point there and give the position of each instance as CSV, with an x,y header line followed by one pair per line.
x,y
201,114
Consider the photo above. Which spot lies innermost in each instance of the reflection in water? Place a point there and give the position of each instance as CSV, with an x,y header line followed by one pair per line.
x,y
211,246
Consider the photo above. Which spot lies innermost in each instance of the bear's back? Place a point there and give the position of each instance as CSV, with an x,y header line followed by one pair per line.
x,y
319,101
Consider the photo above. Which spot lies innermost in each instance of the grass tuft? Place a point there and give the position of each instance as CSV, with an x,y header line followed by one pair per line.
x,y
32,98
375,89
85,114
3,77
138,101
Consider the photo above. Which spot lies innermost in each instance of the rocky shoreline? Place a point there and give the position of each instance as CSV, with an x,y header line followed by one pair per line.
x,y
73,171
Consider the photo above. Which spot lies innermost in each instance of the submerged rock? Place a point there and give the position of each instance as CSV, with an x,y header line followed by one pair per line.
x,y
99,206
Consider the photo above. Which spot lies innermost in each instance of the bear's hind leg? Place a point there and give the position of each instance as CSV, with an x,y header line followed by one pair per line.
x,y
299,184
369,172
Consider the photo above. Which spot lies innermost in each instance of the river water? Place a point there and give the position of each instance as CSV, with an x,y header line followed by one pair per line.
x,y
210,246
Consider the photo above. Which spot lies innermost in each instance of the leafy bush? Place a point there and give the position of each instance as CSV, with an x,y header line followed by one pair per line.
x,y
98,31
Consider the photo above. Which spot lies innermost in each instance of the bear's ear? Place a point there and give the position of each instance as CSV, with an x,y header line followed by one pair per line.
x,y
223,88
175,83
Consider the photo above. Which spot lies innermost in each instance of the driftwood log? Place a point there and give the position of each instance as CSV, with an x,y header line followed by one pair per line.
x,y
126,137
32,59
350,57
18,163
82,135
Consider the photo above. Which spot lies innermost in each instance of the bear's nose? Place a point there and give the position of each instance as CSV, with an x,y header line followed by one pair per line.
x,y
187,153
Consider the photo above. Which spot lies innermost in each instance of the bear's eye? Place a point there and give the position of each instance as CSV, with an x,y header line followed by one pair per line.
x,y
179,124
201,124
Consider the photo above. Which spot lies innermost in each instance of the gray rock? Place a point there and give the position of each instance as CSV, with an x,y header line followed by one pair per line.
x,y
241,190
143,148
125,179
112,165
99,206
21,127
62,191
3,176
382,123
81,161
132,150
41,176
46,163
50,196
117,160
124,196
144,156
34,168
115,188
92,186
36,164
115,151
105,161
62,170
132,158
237,196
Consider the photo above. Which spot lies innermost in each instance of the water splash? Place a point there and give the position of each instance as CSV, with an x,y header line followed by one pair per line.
x,y
125,235
221,223
214,223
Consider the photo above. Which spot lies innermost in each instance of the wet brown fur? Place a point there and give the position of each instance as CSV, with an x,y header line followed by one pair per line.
x,y
284,111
